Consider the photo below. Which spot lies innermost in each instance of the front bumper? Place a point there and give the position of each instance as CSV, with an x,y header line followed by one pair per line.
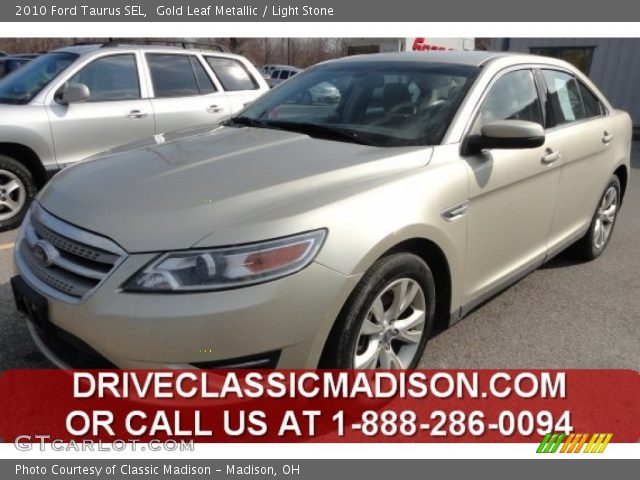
x,y
290,318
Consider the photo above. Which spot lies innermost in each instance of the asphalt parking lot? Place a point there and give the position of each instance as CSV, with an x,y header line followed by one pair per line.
x,y
564,315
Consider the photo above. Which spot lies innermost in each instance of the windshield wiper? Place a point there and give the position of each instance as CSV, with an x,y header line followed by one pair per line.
x,y
319,130
247,121
311,129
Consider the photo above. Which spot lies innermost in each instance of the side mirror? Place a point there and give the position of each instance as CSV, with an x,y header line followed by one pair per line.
x,y
506,134
74,93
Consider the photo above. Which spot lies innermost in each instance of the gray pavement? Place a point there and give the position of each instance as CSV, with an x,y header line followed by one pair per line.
x,y
564,315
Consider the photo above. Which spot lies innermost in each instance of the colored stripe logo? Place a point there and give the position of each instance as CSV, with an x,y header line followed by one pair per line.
x,y
574,443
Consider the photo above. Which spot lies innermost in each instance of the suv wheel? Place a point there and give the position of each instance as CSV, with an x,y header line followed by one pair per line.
x,y
388,318
597,238
17,189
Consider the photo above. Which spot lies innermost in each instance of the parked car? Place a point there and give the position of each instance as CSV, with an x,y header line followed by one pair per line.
x,y
279,76
75,102
11,63
266,70
324,92
332,235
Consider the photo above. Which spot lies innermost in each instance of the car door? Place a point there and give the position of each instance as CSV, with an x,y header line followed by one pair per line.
x,y
511,195
115,113
240,84
183,93
581,134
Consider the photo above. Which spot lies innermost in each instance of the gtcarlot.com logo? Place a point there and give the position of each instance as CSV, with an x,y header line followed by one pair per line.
x,y
574,443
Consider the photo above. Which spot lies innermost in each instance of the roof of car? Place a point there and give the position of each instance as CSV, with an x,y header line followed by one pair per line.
x,y
472,58
84,49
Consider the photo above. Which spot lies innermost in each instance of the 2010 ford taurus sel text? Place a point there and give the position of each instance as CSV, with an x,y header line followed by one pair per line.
x,y
336,232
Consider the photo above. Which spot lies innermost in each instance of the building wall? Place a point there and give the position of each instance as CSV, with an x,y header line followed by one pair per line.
x,y
615,67
373,45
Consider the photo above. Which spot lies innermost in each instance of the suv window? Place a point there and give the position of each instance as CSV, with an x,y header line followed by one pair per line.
x,y
512,97
592,106
205,85
25,84
178,76
233,75
564,97
110,78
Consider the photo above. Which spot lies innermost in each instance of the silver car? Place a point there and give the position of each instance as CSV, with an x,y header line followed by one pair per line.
x,y
332,234
78,101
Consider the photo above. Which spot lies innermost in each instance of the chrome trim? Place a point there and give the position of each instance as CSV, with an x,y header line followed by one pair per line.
x,y
75,233
457,211
65,279
57,259
39,285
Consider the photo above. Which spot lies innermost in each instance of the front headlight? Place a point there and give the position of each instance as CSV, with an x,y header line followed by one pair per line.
x,y
232,267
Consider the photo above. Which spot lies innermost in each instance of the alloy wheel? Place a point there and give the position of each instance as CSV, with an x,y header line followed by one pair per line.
x,y
393,327
13,195
605,217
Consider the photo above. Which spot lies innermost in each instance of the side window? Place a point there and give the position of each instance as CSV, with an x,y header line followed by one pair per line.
x,y
564,97
284,74
232,74
177,76
110,78
205,85
592,106
512,97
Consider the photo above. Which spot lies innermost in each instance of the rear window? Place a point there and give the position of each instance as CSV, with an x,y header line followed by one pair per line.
x,y
233,75
564,96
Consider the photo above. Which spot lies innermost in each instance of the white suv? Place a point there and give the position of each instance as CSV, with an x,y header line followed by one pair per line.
x,y
75,102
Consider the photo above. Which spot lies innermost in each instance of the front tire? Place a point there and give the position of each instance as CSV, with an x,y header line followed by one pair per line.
x,y
17,190
593,244
388,318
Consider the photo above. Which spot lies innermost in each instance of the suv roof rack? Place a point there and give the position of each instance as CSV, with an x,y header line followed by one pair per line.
x,y
114,42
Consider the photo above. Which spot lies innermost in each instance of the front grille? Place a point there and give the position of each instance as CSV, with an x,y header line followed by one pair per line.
x,y
69,260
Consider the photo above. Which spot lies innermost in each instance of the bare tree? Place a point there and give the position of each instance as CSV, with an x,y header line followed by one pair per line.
x,y
301,52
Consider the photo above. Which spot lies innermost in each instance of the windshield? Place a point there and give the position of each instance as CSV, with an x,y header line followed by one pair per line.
x,y
375,103
23,84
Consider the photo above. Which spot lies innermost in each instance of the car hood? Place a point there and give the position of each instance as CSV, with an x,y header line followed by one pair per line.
x,y
195,187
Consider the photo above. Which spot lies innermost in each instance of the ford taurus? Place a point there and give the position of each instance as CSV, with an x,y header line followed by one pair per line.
x,y
305,232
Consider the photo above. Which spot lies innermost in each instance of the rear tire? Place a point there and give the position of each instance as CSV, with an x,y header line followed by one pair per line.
x,y
17,189
595,241
388,318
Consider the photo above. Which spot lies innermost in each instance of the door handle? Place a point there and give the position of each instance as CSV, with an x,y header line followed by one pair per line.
x,y
214,109
606,138
550,156
134,114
